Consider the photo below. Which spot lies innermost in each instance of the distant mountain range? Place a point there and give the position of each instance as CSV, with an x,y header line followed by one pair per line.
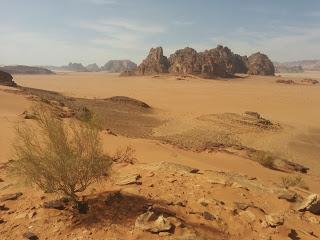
x,y
114,66
298,66
21,69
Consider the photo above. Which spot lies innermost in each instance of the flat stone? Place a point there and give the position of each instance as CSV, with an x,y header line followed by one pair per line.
x,y
13,196
130,179
241,206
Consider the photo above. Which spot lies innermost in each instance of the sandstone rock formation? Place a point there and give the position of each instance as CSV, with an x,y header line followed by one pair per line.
x,y
219,62
154,63
6,79
260,64
216,62
117,66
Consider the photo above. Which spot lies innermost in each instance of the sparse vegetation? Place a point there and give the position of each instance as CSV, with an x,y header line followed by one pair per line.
x,y
59,157
293,181
266,159
126,155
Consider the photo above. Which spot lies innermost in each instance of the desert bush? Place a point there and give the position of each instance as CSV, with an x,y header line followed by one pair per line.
x,y
293,181
125,155
264,158
59,156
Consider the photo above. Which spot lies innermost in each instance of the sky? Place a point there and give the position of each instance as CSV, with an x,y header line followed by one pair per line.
x,y
56,32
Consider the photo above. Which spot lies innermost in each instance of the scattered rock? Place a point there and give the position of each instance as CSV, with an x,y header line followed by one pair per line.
x,y
2,221
127,180
208,216
30,236
289,196
150,222
194,170
3,207
28,115
290,82
242,206
129,101
311,204
204,202
249,216
13,196
55,204
274,220
294,166
310,81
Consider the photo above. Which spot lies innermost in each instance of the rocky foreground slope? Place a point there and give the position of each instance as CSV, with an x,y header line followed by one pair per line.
x,y
217,62
164,200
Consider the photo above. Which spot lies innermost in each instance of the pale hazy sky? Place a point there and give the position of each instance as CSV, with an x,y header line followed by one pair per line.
x,y
55,32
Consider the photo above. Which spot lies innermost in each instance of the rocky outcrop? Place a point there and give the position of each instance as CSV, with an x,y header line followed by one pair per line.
x,y
155,63
6,79
220,61
185,61
260,64
21,69
117,66
216,62
311,204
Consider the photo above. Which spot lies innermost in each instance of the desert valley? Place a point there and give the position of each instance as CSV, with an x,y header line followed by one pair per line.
x,y
229,151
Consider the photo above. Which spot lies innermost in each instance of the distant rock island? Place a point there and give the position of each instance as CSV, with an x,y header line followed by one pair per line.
x,y
217,62
21,69
117,66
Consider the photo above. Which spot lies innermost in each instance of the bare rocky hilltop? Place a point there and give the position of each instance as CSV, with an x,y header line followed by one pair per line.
x,y
6,79
217,62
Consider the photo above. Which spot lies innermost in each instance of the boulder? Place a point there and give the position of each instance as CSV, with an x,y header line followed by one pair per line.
x,y
289,196
311,204
274,220
129,179
6,79
260,64
155,63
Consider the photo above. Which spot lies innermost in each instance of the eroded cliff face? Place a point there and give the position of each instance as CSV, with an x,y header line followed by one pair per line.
x,y
155,63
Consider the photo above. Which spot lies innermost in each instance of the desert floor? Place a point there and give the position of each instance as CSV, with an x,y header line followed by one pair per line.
x,y
189,107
